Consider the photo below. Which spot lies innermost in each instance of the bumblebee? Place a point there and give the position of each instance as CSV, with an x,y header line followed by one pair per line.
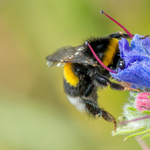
x,y
83,74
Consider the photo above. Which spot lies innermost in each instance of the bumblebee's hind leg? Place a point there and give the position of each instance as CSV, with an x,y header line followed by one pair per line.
x,y
93,109
90,106
84,104
118,35
108,117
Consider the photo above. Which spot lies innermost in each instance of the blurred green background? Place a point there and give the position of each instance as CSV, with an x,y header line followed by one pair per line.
x,y
34,111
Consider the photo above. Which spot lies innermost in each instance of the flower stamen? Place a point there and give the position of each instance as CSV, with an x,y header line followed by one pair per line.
x,y
117,24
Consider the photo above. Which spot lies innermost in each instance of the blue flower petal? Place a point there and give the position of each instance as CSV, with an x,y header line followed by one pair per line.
x,y
137,61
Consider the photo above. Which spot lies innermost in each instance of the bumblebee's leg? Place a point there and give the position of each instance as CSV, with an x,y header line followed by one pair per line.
x,y
104,82
116,86
88,90
120,87
118,35
145,37
92,107
98,112
108,117
101,81
86,87
87,103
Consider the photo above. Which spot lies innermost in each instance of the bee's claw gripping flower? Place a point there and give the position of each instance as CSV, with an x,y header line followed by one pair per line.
x,y
137,61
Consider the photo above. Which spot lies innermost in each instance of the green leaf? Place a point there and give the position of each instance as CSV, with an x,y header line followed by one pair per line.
x,y
146,112
145,136
125,131
136,134
132,108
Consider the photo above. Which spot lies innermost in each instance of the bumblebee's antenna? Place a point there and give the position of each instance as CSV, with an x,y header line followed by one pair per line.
x,y
101,63
118,24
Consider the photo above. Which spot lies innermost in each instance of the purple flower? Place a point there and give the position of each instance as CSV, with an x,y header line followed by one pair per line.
x,y
137,61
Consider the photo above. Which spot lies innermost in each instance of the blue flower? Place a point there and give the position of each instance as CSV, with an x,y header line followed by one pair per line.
x,y
137,61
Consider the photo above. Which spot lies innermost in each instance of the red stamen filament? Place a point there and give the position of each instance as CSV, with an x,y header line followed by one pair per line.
x,y
101,63
137,119
118,24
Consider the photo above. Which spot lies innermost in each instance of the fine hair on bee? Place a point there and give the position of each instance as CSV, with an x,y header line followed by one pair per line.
x,y
87,67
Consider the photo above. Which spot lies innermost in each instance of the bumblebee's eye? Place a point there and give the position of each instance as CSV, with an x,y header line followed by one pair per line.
x,y
121,64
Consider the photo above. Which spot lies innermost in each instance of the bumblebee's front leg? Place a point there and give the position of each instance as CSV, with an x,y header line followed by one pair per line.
x,y
104,82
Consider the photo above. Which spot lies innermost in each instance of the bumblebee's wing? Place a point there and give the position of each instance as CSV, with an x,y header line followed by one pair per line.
x,y
68,54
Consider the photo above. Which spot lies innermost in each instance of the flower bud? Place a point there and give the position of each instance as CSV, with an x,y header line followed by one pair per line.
x,y
142,101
